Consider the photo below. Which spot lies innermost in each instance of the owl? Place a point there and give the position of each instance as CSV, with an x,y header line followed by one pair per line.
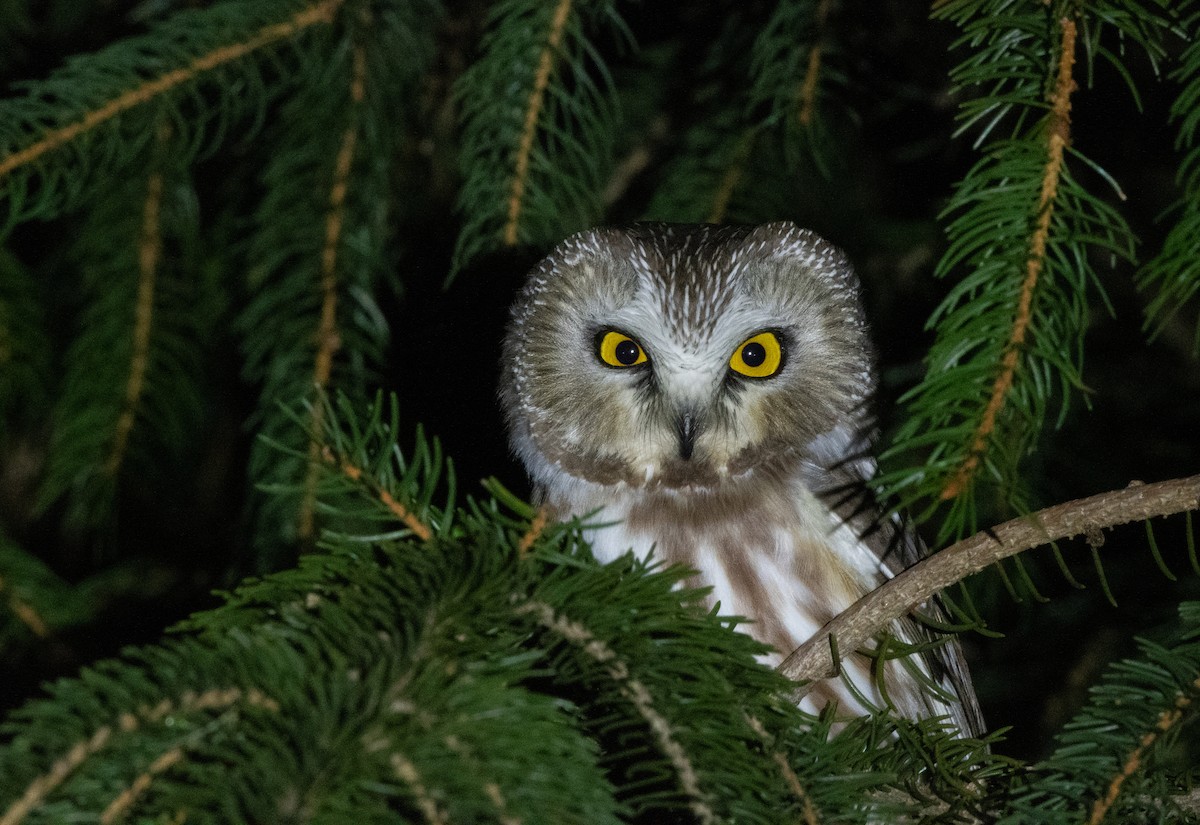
x,y
702,393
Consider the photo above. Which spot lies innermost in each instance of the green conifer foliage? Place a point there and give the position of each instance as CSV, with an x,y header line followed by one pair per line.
x,y
1174,274
1026,232
24,349
1104,768
131,392
539,119
311,320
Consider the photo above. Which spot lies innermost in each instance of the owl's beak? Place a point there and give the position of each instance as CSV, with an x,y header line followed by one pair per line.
x,y
686,428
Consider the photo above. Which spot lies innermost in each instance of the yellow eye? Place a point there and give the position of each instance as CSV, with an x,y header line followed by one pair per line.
x,y
619,350
759,356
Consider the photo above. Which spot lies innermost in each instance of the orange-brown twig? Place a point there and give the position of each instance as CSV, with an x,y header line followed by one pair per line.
x,y
808,86
1166,720
37,790
1058,136
29,617
732,177
426,801
789,776
149,254
327,338
540,519
322,12
26,614
77,754
419,528
533,110
632,688
125,799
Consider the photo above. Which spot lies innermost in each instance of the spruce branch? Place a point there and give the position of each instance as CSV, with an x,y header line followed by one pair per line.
x,y
130,721
132,384
407,772
327,338
1174,273
807,810
25,612
915,586
1058,135
705,180
808,87
312,323
34,601
728,166
533,109
25,348
790,62
121,804
1166,721
578,635
791,72
732,176
1027,233
445,675
357,475
1116,760
149,256
28,117
539,123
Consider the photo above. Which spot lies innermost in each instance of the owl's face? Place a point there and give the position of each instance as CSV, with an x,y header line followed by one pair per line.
x,y
677,356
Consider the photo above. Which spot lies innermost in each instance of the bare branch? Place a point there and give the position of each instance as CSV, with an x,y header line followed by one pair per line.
x,y
898,597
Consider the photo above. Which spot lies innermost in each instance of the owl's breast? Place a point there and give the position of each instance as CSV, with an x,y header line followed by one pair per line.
x,y
770,550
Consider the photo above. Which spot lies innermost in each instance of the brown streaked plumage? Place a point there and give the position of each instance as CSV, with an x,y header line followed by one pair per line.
x,y
721,424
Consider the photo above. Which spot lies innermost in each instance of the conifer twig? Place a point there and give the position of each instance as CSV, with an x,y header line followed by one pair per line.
x,y
327,338
26,614
419,528
632,689
789,775
408,772
732,177
122,802
533,110
915,586
1058,133
536,527
808,86
77,754
1167,720
149,254
63,767
322,12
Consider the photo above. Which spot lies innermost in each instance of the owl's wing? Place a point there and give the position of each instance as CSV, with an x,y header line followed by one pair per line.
x,y
897,546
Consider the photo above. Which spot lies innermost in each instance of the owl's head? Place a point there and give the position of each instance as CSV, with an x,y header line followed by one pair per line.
x,y
681,356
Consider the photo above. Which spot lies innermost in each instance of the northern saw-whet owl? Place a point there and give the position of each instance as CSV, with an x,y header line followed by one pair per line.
x,y
706,390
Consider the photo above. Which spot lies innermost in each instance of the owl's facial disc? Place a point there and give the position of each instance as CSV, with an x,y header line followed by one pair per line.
x,y
675,415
